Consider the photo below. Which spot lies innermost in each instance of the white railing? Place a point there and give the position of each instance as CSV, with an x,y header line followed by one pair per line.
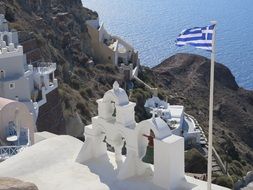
x,y
8,151
215,154
153,90
45,67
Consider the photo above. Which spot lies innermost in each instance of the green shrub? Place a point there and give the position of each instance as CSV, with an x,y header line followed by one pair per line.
x,y
195,162
224,181
244,163
237,164
109,68
86,93
83,93
75,83
89,91
233,169
9,15
231,149
83,109
235,178
249,156
18,25
139,96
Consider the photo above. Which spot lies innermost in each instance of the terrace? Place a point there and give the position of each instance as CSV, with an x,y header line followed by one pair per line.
x,y
44,68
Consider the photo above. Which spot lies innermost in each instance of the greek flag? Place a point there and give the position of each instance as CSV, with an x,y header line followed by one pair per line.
x,y
199,37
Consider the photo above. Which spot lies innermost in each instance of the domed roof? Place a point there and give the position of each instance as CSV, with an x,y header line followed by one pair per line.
x,y
4,102
155,102
117,94
8,111
159,127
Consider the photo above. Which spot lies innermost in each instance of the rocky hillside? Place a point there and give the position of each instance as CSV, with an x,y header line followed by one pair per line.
x,y
55,31
184,79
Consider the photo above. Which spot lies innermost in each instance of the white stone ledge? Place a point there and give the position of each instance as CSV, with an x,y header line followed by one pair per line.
x,y
10,52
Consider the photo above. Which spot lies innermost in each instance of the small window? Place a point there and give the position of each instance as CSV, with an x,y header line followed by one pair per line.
x,y
2,74
6,39
12,85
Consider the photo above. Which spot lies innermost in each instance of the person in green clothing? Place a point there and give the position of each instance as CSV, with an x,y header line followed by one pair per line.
x,y
150,138
149,157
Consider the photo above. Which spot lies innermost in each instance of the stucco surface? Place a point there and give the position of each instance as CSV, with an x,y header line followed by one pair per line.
x,y
50,165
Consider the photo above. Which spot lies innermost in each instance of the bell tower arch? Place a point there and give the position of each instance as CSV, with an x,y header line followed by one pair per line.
x,y
115,105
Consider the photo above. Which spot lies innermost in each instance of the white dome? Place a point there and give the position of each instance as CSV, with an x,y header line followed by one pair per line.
x,y
117,94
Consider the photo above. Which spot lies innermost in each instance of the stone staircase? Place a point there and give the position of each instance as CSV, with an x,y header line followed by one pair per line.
x,y
217,165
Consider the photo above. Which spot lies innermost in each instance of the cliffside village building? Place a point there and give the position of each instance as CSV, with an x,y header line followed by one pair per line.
x,y
112,49
178,121
20,83
19,80
17,127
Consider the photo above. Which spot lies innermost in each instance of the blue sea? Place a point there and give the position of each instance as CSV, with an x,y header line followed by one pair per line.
x,y
152,26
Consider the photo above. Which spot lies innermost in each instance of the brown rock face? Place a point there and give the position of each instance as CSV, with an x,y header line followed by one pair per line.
x,y
51,116
15,184
184,79
189,78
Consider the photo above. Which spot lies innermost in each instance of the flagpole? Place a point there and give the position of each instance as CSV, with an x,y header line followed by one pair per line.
x,y
210,134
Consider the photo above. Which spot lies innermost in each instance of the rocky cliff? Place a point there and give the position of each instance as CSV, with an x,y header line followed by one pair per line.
x,y
184,79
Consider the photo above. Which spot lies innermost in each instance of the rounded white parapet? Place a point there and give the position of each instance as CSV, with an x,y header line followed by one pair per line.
x,y
3,43
9,51
11,47
4,50
20,48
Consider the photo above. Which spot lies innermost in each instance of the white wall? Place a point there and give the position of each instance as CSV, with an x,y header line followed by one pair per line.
x,y
7,114
12,65
22,89
169,162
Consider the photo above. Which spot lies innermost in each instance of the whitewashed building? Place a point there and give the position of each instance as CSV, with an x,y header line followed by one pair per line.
x,y
108,48
17,128
174,115
21,81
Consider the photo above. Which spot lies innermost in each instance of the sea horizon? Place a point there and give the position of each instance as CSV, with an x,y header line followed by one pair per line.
x,y
139,24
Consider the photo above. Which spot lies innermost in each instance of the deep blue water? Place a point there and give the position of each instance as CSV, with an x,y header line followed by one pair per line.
x,y
152,26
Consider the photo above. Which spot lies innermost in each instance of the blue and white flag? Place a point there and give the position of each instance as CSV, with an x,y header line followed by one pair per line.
x,y
199,37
